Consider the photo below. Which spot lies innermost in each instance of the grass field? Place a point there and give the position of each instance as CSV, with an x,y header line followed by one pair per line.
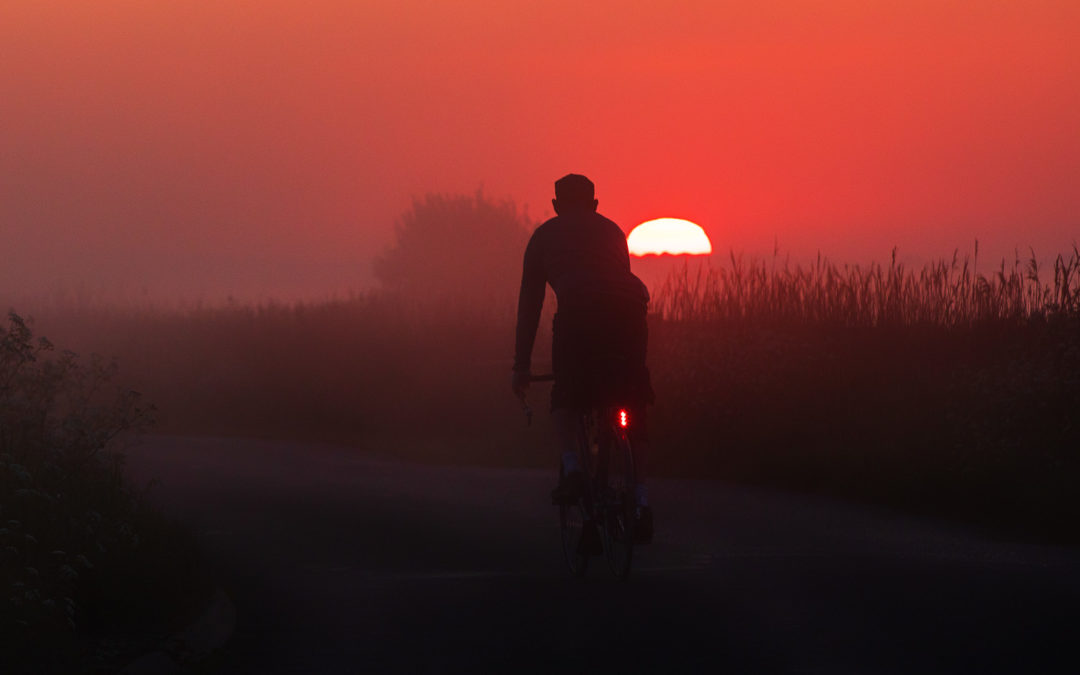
x,y
943,389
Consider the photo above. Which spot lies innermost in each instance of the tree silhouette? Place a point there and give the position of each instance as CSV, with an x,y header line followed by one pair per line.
x,y
458,249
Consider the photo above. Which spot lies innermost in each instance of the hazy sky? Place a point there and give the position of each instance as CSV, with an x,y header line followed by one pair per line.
x,y
206,147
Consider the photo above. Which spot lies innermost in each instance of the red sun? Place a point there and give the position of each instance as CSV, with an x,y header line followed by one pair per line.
x,y
673,236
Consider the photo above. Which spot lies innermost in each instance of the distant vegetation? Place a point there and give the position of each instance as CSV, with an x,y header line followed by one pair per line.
x,y
943,389
455,249
81,553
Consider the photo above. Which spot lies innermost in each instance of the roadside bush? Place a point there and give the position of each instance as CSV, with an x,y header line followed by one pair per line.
x,y
71,528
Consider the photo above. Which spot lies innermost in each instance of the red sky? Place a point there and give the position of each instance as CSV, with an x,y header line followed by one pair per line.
x,y
201,148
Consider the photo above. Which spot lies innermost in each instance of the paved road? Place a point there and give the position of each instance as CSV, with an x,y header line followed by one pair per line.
x,y
340,562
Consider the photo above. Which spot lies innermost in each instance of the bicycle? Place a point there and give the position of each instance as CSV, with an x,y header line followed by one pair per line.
x,y
604,513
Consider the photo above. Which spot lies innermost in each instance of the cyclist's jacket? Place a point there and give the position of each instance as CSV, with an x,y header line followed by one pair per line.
x,y
585,259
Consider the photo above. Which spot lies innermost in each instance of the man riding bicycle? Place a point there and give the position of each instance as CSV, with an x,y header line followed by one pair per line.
x,y
600,334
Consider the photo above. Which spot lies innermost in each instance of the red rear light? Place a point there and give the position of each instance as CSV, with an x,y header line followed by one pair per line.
x,y
624,418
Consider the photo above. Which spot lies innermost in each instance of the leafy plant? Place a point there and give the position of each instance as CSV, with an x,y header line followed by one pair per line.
x,y
66,510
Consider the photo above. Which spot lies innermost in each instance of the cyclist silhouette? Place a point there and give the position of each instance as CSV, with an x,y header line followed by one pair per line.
x,y
600,333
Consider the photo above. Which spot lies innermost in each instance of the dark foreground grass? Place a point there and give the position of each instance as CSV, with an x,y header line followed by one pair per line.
x,y
938,390
89,572
978,423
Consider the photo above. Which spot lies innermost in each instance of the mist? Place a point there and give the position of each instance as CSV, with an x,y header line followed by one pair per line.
x,y
178,152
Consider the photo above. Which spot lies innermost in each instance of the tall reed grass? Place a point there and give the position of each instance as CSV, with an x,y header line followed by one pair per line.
x,y
942,293
940,389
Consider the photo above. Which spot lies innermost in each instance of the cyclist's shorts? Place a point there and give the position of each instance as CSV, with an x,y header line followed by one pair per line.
x,y
598,357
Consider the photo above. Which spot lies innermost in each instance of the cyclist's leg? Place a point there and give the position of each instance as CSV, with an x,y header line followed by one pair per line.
x,y
568,356
567,431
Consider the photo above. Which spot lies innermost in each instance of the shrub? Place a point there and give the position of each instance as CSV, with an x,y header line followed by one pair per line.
x,y
71,529
456,249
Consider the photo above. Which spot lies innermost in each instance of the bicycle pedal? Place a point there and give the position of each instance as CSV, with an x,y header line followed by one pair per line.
x,y
643,527
590,541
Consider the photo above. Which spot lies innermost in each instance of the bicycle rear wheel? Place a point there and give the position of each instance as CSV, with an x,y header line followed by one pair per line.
x,y
617,532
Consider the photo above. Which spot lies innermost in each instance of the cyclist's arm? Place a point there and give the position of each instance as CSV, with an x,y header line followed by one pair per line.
x,y
530,302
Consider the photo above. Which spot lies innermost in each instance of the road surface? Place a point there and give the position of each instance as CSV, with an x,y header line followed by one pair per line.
x,y
342,562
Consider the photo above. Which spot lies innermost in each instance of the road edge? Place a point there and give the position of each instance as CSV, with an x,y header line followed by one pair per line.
x,y
210,632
